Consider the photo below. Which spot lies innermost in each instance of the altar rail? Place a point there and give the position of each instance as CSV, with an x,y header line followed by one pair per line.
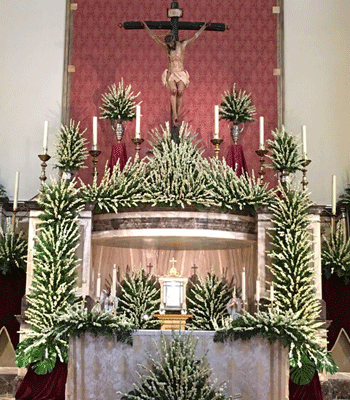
x,y
99,367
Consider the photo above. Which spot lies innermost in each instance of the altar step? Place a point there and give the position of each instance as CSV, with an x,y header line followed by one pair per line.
x,y
337,387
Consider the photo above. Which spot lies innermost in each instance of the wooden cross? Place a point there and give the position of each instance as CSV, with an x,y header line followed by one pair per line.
x,y
149,266
194,269
174,13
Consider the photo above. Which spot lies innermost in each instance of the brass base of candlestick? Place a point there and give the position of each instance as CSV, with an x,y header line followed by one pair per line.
x,y
216,142
304,181
137,142
44,158
94,154
14,212
262,153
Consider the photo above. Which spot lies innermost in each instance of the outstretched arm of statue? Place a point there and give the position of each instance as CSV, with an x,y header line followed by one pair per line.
x,y
153,36
194,37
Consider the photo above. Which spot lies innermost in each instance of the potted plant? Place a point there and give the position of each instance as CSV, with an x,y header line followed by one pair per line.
x,y
118,106
237,108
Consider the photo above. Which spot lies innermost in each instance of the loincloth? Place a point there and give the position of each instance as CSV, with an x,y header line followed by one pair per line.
x,y
176,77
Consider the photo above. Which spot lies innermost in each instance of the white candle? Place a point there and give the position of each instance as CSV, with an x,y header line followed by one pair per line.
x,y
46,132
98,286
271,293
138,122
94,133
258,290
216,126
334,194
303,130
114,281
261,133
243,285
15,197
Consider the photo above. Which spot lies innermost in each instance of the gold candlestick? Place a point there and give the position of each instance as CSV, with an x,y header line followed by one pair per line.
x,y
304,181
262,153
94,154
137,142
44,158
216,142
14,212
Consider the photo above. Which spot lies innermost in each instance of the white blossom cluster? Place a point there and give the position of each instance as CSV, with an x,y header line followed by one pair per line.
x,y
117,189
119,104
71,151
176,373
54,276
13,250
139,300
285,155
236,106
336,254
207,301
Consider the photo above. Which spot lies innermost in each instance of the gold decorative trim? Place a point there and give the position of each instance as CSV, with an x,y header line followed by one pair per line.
x,y
73,6
71,68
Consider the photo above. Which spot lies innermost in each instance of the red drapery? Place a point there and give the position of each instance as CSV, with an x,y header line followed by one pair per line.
x,y
118,153
236,160
51,386
311,391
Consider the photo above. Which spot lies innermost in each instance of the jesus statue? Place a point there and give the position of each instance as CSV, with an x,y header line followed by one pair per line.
x,y
175,78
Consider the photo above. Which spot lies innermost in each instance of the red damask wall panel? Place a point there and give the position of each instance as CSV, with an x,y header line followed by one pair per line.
x,y
103,53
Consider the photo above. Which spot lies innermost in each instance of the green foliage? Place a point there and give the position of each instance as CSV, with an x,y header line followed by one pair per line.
x,y
71,149
285,156
236,106
77,321
291,255
54,276
176,374
116,189
227,190
3,195
287,327
207,301
336,255
13,251
175,173
139,300
118,105
304,374
344,199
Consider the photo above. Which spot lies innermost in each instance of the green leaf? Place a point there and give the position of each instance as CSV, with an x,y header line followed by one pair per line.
x,y
303,374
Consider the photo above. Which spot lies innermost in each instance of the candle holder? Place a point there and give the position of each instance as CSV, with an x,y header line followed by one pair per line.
x,y
262,153
216,142
304,181
257,305
244,304
94,154
44,158
137,142
14,212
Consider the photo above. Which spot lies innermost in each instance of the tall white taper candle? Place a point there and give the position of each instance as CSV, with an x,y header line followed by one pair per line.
x,y
114,281
243,285
98,286
258,290
261,133
138,122
46,132
334,194
271,293
216,125
15,197
94,133
303,130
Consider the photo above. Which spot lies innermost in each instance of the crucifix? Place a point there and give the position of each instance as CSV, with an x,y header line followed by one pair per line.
x,y
149,266
175,78
194,269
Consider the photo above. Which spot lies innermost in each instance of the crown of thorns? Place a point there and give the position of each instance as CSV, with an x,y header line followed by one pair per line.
x,y
169,38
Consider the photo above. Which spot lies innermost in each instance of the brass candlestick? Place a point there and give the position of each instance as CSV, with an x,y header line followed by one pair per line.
x,y
44,158
262,153
94,154
137,142
216,142
14,212
304,181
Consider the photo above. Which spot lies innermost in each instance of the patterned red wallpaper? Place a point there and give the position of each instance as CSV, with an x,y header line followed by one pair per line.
x,y
103,53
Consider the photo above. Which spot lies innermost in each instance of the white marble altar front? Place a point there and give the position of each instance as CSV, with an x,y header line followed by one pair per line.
x,y
99,367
